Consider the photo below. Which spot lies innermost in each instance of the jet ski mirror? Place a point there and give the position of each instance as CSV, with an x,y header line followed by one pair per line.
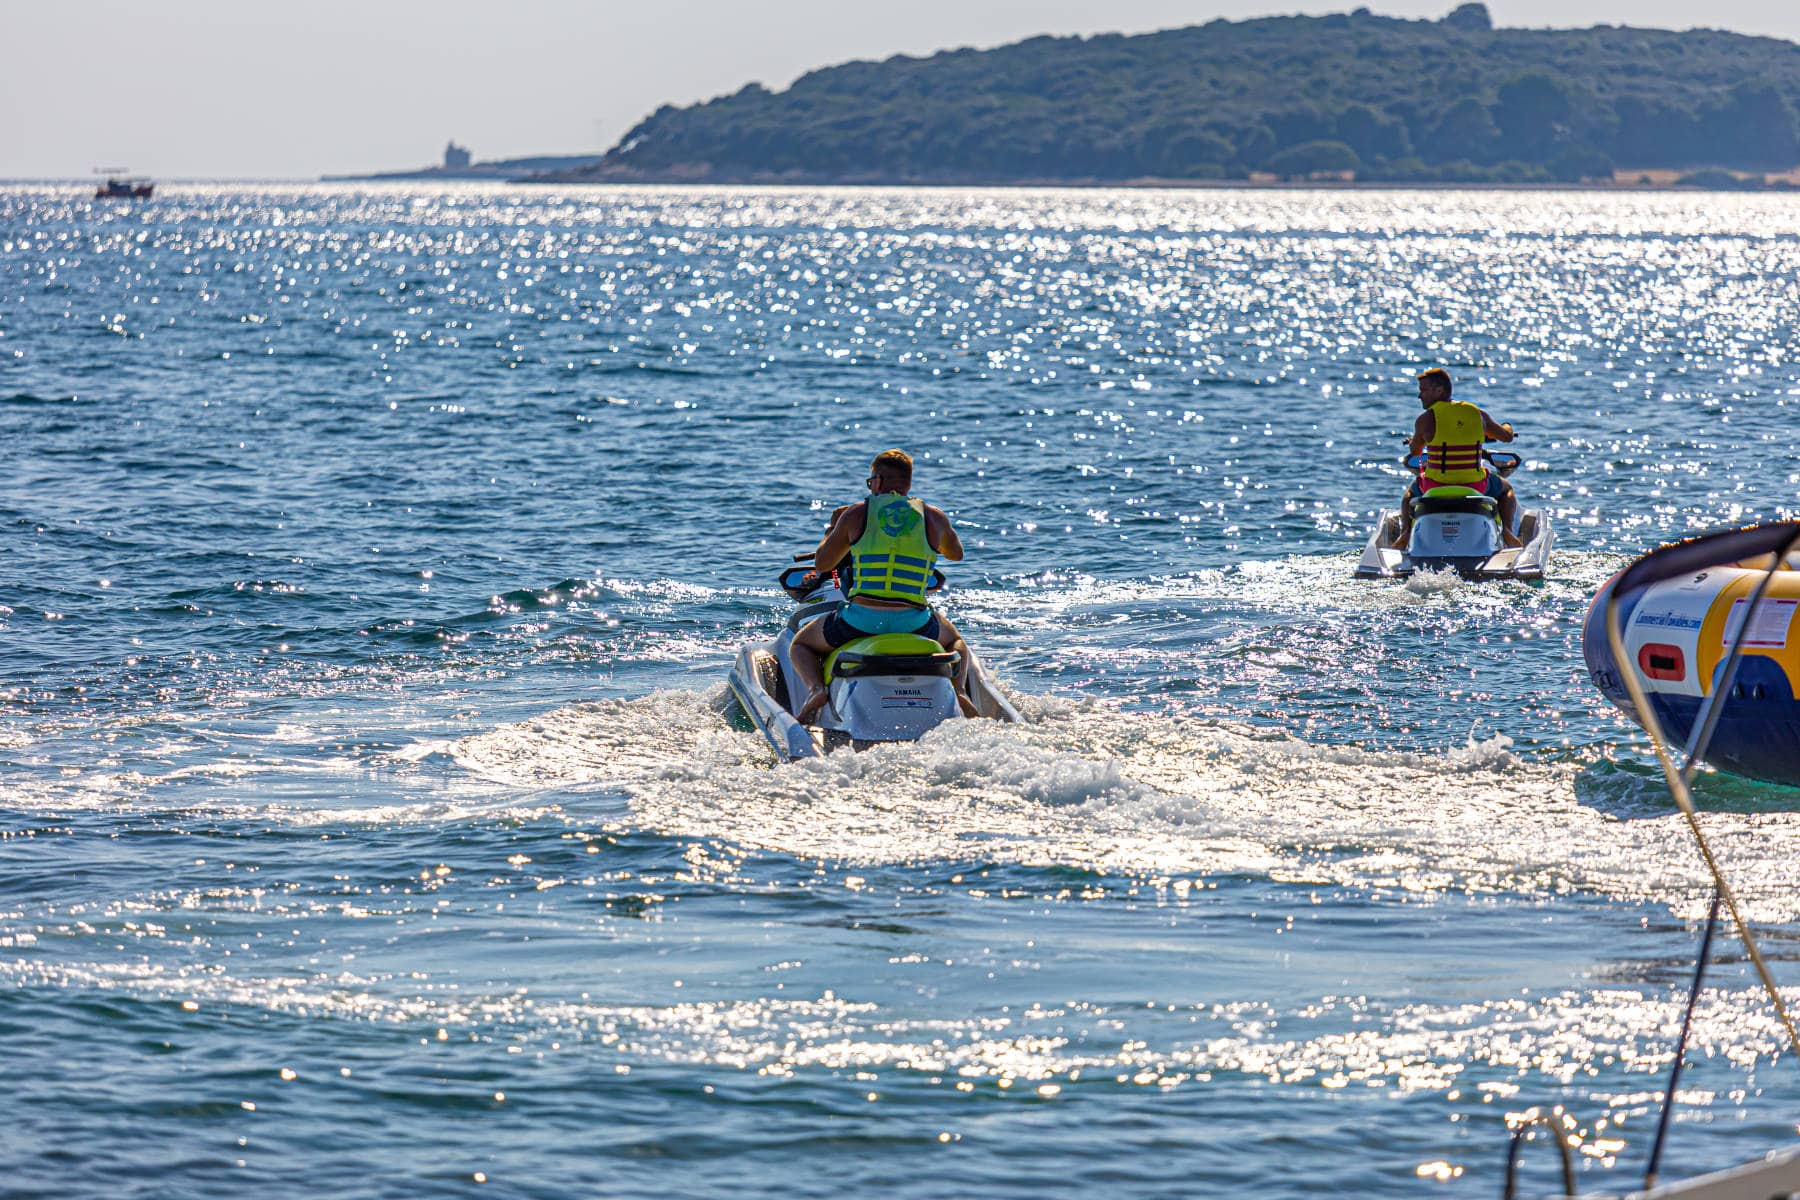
x,y
1502,462
794,581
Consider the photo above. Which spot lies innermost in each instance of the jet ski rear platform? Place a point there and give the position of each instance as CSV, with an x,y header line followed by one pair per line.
x,y
1383,558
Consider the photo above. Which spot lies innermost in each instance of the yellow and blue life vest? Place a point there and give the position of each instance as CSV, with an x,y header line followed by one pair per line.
x,y
893,557
1453,455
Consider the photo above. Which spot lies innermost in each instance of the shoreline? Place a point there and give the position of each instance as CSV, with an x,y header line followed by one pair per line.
x,y
1185,185
1145,184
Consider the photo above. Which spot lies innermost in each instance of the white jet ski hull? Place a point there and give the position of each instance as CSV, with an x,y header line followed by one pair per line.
x,y
862,710
1384,558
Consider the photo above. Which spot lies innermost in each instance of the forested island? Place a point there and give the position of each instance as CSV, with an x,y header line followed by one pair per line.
x,y
1350,97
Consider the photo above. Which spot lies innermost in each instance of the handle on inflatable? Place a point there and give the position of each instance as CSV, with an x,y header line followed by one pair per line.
x,y
1415,461
937,580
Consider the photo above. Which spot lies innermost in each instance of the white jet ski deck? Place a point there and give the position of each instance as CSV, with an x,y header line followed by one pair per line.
x,y
891,687
1458,529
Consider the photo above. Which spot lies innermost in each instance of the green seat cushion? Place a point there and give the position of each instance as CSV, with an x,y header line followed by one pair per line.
x,y
884,643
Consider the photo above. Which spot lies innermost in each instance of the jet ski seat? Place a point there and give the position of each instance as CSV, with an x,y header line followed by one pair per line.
x,y
890,654
1454,498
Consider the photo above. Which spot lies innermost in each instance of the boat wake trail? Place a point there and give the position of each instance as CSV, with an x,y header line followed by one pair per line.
x,y
1090,786
1302,583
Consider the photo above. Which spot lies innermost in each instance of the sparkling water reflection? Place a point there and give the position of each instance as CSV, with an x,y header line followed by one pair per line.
x,y
372,813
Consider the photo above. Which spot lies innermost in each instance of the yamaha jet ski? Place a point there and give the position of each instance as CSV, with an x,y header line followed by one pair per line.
x,y
889,687
1458,528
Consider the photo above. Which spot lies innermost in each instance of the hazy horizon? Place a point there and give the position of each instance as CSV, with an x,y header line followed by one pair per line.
x,y
210,89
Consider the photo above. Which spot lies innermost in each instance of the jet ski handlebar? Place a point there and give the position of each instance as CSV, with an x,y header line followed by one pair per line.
x,y
799,582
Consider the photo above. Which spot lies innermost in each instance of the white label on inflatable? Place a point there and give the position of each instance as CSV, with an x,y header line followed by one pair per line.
x,y
1671,614
1769,629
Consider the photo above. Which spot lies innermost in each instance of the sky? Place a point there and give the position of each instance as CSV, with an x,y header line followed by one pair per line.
x,y
271,89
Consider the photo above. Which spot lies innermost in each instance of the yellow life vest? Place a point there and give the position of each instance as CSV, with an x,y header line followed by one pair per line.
x,y
893,557
1453,455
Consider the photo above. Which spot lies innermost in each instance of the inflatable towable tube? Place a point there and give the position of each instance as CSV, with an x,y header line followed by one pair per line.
x,y
1680,610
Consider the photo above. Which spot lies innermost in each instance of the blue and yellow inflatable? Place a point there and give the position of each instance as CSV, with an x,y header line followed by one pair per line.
x,y
1680,610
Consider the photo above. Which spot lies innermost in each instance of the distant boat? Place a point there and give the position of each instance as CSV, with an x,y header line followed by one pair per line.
x,y
118,186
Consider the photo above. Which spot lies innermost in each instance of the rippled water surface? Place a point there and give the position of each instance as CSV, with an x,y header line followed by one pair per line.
x,y
373,820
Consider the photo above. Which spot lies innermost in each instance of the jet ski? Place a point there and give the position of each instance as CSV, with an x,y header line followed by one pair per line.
x,y
1458,528
890,687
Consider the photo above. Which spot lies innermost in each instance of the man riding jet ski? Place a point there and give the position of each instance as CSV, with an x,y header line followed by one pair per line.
x,y
1459,512
1450,433
894,670
892,541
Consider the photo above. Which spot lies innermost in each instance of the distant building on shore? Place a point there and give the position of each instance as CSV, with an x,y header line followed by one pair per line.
x,y
459,163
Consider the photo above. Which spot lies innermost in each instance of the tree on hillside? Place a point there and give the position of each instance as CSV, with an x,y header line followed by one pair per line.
x,y
1655,133
1466,132
1754,126
1297,125
1372,133
1472,17
1254,143
1573,164
1533,116
1310,157
1187,154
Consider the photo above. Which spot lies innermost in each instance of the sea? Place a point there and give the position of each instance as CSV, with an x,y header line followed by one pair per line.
x,y
375,820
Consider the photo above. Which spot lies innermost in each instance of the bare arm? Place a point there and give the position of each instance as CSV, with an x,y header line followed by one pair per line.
x,y
846,527
1423,428
1494,431
941,534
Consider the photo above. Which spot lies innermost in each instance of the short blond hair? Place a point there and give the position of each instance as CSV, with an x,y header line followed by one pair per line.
x,y
893,466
